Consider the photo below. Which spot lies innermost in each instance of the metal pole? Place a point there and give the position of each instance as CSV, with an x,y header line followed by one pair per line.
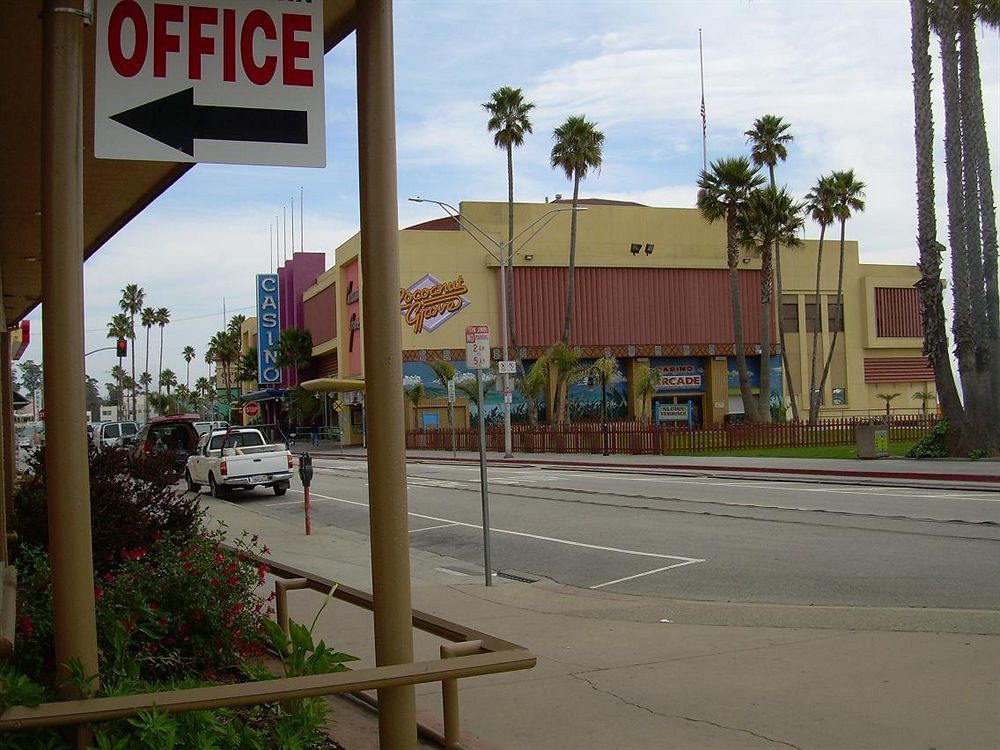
x,y
68,480
390,541
604,410
9,452
483,482
504,262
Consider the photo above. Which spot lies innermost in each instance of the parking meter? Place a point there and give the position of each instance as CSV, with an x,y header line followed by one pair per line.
x,y
305,469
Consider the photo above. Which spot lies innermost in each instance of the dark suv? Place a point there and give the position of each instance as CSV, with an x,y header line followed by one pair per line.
x,y
173,433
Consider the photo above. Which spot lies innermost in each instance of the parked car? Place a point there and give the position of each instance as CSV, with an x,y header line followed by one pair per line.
x,y
107,434
174,433
238,459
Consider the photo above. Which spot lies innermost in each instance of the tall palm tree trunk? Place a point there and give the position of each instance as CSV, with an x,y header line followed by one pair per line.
x,y
160,373
839,317
764,397
571,270
146,406
736,301
132,346
815,394
930,250
982,214
785,365
511,329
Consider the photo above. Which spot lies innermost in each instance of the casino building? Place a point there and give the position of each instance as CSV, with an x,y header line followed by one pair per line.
x,y
652,290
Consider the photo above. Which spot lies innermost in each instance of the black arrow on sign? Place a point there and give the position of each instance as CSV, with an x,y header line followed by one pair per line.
x,y
177,121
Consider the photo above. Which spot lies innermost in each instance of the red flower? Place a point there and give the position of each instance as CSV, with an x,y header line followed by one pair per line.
x,y
265,550
154,606
218,557
157,536
214,582
253,539
109,577
98,593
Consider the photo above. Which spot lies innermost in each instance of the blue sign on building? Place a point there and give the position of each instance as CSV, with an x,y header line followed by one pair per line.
x,y
268,329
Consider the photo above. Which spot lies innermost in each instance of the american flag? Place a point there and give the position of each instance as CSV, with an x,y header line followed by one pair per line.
x,y
704,122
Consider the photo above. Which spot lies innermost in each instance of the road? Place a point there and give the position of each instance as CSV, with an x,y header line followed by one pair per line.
x,y
697,538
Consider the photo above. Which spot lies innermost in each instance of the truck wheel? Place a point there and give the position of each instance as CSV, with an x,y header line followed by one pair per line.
x,y
192,487
217,491
280,489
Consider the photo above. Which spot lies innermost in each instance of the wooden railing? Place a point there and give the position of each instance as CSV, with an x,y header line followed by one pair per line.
x,y
636,438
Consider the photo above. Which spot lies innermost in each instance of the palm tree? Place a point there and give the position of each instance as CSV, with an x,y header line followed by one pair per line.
x,y
768,139
887,397
564,362
223,348
509,123
133,296
415,394
819,206
247,370
936,346
235,324
470,389
145,379
203,387
645,386
724,190
168,379
578,149
147,319
923,397
162,318
294,350
848,199
120,377
188,354
532,386
771,218
120,327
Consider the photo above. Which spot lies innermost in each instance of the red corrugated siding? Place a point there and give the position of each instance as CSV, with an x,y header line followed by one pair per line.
x,y
897,313
898,370
634,306
320,313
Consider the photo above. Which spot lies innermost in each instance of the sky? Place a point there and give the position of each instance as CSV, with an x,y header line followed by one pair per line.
x,y
839,72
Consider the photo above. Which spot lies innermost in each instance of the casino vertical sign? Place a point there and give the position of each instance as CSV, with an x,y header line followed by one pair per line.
x,y
224,81
268,329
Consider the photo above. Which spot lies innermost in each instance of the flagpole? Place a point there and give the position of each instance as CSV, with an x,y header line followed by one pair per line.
x,y
704,121
293,226
302,229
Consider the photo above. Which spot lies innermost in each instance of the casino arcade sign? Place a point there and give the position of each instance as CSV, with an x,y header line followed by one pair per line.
x,y
429,303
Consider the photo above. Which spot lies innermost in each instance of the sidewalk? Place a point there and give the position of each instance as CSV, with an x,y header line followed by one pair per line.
x,y
630,672
983,474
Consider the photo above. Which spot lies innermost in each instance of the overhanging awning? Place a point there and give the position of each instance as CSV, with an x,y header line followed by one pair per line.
x,y
338,385
268,394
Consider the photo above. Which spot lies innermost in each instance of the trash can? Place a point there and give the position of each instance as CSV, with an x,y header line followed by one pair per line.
x,y
871,440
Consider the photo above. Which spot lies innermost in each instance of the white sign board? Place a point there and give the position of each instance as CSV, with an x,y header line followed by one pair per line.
x,y
224,81
477,347
507,367
451,391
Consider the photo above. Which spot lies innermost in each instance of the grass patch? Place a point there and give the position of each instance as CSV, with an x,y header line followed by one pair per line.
x,y
896,450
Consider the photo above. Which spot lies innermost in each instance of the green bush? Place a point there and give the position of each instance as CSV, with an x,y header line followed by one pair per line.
x,y
133,501
934,445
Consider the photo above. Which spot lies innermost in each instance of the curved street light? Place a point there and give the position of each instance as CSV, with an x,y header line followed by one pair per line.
x,y
506,255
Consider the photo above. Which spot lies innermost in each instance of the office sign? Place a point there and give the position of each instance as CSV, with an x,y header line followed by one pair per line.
x,y
268,329
224,81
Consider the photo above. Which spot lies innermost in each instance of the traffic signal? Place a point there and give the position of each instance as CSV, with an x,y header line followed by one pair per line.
x,y
122,347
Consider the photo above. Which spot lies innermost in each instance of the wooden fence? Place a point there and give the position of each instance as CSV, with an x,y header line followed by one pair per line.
x,y
635,438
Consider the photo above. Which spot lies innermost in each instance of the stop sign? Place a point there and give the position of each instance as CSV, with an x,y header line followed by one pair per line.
x,y
252,409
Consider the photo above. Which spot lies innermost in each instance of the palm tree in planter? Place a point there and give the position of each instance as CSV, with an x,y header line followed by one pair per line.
x,y
887,397
415,394
724,190
578,149
924,397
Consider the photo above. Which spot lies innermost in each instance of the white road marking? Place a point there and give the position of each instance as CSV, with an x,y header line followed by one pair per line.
x,y
429,528
555,540
640,575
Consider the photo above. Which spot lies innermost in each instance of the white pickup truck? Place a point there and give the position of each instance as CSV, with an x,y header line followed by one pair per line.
x,y
238,459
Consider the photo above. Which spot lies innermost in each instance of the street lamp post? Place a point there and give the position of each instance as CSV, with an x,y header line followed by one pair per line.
x,y
504,255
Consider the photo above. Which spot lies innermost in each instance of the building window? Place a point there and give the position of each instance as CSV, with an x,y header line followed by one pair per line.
x,y
897,313
790,314
835,315
812,320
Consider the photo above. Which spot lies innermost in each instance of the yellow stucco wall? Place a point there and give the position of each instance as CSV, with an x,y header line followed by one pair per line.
x,y
681,238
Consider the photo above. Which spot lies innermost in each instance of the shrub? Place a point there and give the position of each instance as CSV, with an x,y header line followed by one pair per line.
x,y
934,445
132,499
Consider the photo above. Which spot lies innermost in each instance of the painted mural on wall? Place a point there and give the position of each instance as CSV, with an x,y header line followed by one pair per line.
x,y
753,368
585,396
415,373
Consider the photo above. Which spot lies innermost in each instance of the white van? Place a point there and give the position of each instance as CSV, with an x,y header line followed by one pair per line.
x,y
114,433
206,427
